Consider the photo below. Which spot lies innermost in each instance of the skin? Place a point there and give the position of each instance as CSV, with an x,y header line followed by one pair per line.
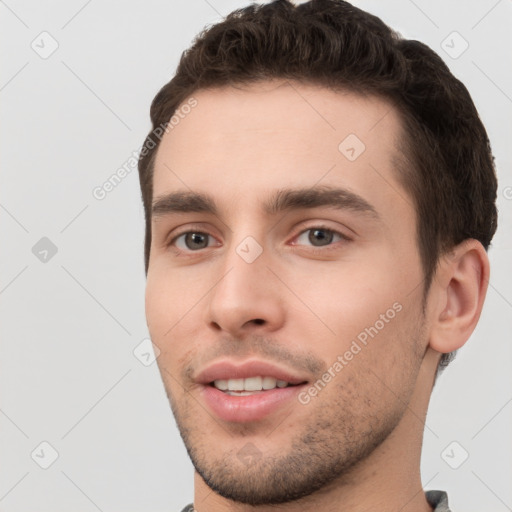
x,y
355,446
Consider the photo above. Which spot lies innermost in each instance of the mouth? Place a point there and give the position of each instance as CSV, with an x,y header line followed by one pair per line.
x,y
250,385
248,391
251,399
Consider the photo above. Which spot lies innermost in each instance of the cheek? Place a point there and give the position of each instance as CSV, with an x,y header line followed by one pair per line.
x,y
351,296
170,296
368,309
373,368
165,315
156,297
173,299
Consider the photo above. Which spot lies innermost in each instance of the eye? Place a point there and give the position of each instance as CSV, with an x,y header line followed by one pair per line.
x,y
191,241
319,236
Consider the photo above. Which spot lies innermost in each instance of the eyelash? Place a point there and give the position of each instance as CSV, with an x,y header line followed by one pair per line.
x,y
314,250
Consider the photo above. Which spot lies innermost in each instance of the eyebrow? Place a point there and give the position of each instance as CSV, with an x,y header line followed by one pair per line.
x,y
282,200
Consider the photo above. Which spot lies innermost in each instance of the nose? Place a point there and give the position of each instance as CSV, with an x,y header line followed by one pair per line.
x,y
247,298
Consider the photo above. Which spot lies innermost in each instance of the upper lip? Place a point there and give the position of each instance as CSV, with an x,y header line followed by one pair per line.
x,y
225,370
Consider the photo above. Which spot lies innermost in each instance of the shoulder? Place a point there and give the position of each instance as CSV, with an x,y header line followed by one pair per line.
x,y
438,500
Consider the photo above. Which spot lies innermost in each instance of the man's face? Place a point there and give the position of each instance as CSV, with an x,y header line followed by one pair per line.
x,y
328,296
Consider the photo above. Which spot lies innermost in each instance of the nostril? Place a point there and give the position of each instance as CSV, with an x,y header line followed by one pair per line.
x,y
259,321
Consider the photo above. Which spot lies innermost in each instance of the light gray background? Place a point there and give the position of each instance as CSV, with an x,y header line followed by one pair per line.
x,y
70,325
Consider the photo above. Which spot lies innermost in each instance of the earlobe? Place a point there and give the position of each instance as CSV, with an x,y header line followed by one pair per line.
x,y
458,294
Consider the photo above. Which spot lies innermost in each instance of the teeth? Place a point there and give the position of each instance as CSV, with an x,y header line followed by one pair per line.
x,y
269,383
221,384
252,384
236,384
249,384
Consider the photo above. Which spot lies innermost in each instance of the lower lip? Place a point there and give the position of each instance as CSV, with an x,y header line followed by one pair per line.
x,y
255,407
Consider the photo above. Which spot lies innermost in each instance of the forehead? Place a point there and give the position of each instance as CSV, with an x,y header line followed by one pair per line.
x,y
243,141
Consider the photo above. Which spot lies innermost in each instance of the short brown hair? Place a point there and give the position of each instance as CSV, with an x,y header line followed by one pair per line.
x,y
446,163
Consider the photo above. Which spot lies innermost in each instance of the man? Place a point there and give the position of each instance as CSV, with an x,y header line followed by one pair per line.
x,y
319,197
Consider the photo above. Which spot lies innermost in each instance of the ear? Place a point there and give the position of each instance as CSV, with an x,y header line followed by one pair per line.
x,y
457,295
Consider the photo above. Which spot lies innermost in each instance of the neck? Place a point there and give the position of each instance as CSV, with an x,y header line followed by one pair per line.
x,y
387,480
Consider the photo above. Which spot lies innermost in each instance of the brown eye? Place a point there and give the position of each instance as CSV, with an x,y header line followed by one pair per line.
x,y
192,240
319,237
322,236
